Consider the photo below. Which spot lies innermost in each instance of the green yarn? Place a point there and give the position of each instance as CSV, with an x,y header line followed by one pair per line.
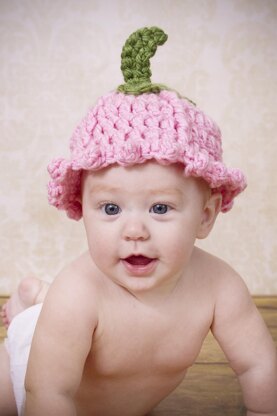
x,y
135,61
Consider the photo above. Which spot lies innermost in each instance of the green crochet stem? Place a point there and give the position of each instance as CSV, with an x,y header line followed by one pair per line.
x,y
135,61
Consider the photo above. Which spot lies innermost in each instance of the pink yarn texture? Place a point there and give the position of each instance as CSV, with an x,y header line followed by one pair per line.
x,y
127,130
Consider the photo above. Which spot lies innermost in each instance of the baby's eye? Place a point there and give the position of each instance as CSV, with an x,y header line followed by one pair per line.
x,y
160,208
111,209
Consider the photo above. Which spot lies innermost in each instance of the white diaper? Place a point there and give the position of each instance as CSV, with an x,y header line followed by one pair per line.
x,y
18,343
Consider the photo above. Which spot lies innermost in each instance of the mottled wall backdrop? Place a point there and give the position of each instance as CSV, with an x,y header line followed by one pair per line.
x,y
58,56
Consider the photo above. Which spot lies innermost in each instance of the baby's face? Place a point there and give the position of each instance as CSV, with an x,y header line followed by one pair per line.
x,y
142,222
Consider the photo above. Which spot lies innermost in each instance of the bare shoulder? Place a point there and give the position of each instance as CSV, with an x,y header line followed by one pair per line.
x,y
228,293
233,305
75,289
80,274
63,335
220,276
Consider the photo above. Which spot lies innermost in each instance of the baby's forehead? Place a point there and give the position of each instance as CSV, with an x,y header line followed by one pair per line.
x,y
149,177
148,172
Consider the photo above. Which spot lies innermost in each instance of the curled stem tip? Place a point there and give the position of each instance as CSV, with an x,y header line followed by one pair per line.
x,y
135,61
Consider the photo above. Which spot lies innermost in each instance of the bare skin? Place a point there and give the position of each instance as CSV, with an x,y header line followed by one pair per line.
x,y
121,325
110,361
162,341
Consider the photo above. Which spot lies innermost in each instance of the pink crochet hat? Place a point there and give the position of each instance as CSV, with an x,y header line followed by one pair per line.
x,y
143,121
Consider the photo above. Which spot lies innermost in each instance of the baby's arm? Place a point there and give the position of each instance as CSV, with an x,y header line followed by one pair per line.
x,y
61,344
248,345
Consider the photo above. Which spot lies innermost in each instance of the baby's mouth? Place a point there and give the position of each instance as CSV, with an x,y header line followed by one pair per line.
x,y
138,260
139,265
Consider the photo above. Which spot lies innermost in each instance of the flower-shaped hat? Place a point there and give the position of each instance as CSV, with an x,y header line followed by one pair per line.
x,y
142,121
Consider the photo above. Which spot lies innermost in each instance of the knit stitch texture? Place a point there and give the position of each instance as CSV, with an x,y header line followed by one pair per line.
x,y
127,130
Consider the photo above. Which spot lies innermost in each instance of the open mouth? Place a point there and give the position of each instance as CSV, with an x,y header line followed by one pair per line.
x,y
139,265
138,260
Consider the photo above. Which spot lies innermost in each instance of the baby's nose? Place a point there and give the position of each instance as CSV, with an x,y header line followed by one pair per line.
x,y
135,229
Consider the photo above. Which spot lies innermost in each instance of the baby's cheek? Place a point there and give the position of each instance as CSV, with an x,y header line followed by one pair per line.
x,y
181,247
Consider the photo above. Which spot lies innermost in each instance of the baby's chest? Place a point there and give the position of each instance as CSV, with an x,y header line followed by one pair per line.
x,y
129,347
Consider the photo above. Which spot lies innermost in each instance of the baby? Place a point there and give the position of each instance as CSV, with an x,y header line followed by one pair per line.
x,y
118,328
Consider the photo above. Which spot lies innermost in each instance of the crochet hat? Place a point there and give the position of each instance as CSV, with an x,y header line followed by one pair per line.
x,y
141,121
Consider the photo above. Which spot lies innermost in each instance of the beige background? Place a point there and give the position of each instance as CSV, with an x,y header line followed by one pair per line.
x,y
58,56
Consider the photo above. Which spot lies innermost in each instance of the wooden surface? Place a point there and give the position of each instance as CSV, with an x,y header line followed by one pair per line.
x,y
210,387
3,299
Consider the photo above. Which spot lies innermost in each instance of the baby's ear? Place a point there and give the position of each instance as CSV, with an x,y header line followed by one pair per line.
x,y
210,211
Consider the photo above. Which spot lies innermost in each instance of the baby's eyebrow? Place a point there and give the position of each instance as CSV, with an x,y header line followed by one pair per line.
x,y
165,191
102,188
